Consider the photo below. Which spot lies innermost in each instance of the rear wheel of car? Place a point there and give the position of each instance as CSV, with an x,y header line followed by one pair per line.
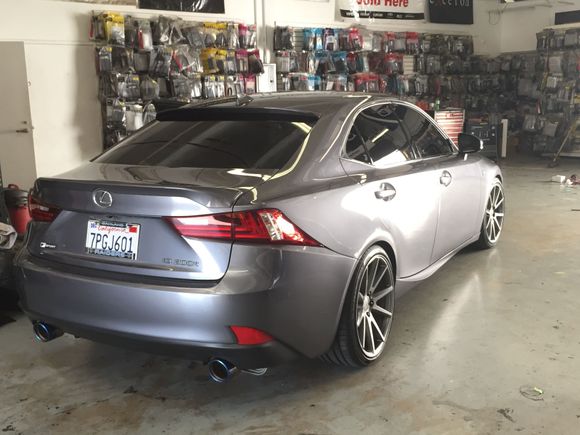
x,y
493,217
367,314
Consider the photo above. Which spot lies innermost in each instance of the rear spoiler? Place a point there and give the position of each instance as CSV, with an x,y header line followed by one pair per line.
x,y
237,114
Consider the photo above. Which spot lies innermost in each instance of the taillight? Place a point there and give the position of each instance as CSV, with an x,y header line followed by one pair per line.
x,y
40,212
262,226
250,336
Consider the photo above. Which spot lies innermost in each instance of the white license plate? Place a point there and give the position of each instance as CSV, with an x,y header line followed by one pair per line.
x,y
112,239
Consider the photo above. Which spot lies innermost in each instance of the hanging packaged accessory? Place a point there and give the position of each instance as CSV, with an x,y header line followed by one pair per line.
x,y
367,39
377,41
149,88
161,61
255,65
401,42
196,84
242,60
128,86
233,86
134,116
149,113
209,61
412,42
113,27
339,61
284,38
330,40
355,39
283,61
247,36
309,41
141,62
233,41
122,59
161,29
144,35
104,59
250,84
180,88
194,35
130,33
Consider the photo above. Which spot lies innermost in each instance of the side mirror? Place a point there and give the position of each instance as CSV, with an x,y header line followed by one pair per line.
x,y
469,143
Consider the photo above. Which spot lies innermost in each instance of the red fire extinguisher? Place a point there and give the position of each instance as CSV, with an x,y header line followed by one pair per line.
x,y
17,204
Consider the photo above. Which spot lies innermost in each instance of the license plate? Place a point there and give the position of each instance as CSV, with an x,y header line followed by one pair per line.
x,y
112,239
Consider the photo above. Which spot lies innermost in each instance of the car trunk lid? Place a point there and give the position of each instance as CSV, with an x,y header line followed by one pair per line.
x,y
137,200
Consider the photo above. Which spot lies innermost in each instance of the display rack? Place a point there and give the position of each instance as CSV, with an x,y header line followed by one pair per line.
x,y
550,93
432,70
141,60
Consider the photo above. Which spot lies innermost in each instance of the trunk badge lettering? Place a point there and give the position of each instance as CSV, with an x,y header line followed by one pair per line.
x,y
44,245
102,198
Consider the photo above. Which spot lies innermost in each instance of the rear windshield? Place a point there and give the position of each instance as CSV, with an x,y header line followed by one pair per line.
x,y
212,144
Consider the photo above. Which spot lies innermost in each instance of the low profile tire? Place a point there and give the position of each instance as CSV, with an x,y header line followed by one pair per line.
x,y
493,217
367,314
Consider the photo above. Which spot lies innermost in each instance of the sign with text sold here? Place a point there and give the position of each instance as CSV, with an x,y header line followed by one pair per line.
x,y
381,9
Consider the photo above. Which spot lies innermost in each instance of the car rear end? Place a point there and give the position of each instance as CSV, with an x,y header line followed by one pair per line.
x,y
144,247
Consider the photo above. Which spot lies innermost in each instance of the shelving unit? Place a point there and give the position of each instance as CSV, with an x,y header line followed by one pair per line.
x,y
553,89
141,60
432,70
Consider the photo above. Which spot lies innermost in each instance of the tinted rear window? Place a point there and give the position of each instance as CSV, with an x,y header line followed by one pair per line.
x,y
212,144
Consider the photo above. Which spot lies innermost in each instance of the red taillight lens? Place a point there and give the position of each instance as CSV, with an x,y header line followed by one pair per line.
x,y
217,226
265,225
40,212
250,336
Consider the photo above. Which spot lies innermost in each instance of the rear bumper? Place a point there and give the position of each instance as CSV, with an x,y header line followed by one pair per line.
x,y
293,294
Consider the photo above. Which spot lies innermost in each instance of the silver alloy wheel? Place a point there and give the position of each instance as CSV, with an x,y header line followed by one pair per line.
x,y
374,307
494,213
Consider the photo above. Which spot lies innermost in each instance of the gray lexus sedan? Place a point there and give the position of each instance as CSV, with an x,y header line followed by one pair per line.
x,y
245,232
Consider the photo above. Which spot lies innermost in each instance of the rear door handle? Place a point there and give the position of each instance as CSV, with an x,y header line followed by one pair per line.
x,y
386,193
445,178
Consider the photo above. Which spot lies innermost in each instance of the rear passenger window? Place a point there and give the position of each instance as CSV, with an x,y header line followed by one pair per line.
x,y
377,137
428,141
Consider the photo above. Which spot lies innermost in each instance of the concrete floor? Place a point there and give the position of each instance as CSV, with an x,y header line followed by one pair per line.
x,y
462,347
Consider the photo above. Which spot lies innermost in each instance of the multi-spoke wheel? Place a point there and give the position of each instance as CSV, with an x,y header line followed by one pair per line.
x,y
368,312
493,217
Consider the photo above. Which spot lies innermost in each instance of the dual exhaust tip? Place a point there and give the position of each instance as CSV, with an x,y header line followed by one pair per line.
x,y
45,332
220,370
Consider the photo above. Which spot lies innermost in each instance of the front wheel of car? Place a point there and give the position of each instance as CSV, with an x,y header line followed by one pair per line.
x,y
367,314
493,217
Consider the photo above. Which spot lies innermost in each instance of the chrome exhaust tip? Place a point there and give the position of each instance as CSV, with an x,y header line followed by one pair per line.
x,y
220,370
45,332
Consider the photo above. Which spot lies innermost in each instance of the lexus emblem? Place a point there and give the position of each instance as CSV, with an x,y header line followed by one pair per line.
x,y
102,198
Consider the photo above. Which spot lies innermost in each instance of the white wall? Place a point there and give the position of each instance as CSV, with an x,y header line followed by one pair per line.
x,y
519,26
63,82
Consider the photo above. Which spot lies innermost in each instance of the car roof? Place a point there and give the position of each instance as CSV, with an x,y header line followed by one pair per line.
x,y
321,102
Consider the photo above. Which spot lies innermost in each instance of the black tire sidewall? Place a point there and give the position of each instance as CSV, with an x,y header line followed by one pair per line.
x,y
483,239
350,313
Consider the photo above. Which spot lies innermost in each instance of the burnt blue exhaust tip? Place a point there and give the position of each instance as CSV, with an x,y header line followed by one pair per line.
x,y
220,370
45,332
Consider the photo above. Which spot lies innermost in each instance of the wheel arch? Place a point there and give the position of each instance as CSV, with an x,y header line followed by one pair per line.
x,y
388,248
331,355
390,252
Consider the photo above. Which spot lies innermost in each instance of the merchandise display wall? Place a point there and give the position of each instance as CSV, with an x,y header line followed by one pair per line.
x,y
548,105
64,87
63,84
142,60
